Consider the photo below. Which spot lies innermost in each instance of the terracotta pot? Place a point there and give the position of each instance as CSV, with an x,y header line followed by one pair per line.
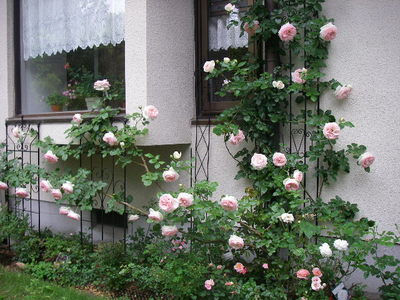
x,y
56,107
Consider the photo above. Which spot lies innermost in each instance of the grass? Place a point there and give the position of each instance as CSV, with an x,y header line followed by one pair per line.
x,y
14,285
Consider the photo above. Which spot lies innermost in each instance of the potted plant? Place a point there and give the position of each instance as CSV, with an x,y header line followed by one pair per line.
x,y
84,87
116,95
56,101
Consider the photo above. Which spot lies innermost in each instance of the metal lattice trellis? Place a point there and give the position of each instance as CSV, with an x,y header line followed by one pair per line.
x,y
202,151
92,223
24,151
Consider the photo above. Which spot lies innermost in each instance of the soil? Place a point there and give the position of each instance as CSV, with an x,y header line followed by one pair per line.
x,y
6,255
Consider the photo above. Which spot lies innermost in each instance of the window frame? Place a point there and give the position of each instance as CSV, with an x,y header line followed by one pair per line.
x,y
204,107
62,116
17,56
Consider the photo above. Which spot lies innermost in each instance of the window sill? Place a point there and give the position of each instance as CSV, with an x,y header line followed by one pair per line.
x,y
205,121
54,117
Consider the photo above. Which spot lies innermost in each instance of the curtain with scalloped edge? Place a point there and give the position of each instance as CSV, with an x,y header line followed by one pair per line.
x,y
54,26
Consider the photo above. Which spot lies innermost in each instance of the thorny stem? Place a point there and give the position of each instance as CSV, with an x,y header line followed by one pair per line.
x,y
134,208
308,194
230,153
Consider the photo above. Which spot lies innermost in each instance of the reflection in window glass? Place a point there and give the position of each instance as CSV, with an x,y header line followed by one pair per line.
x,y
66,45
224,42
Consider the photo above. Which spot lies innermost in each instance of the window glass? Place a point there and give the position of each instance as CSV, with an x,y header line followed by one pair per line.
x,y
66,45
216,42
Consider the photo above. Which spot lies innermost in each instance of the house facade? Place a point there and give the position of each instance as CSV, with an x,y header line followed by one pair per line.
x,y
163,52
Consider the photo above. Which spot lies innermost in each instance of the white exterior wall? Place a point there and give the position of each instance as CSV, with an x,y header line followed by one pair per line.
x,y
159,57
366,54
6,64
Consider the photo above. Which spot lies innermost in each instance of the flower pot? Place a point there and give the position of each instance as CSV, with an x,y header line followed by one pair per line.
x,y
56,107
91,102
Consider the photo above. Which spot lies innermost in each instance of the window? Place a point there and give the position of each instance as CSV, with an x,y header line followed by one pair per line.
x,y
64,47
214,42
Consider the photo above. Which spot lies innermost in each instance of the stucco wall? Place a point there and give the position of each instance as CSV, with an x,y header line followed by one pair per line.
x,y
160,66
214,159
6,64
366,54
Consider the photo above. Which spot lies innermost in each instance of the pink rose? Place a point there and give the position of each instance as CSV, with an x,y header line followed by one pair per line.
x,y
3,185
229,203
185,199
297,75
287,32
208,284
56,193
64,210
279,159
229,283
331,131
68,187
21,192
265,266
77,118
219,267
150,112
102,85
74,216
343,92
209,66
229,7
298,175
169,230
240,268
170,175
316,279
259,161
50,157
236,242
251,29
110,139
16,132
317,272
168,203
45,186
133,218
291,184
237,139
302,274
366,160
328,32
155,215
316,283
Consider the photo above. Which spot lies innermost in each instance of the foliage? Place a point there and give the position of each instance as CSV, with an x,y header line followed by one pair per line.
x,y
11,225
83,81
56,99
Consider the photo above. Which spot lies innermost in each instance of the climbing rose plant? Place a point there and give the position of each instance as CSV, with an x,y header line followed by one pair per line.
x,y
278,241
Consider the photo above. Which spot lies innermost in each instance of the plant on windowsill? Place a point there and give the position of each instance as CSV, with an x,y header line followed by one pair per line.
x,y
116,94
84,87
56,101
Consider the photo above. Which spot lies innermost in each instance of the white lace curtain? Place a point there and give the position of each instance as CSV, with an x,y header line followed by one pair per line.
x,y
220,37
53,26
